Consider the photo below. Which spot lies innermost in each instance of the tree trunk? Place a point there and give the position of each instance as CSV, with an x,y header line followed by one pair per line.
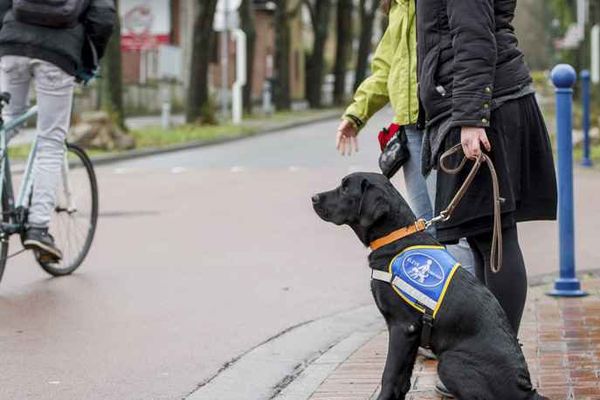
x,y
198,104
112,78
248,25
320,13
281,88
368,11
344,45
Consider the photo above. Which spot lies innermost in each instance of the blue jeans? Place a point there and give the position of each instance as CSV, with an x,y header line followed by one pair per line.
x,y
421,194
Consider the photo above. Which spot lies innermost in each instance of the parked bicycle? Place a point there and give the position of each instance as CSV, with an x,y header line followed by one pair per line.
x,y
75,215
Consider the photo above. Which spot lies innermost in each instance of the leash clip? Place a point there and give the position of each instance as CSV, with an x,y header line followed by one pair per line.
x,y
443,217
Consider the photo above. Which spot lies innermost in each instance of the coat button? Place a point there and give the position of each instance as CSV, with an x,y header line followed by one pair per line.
x,y
486,105
484,120
488,89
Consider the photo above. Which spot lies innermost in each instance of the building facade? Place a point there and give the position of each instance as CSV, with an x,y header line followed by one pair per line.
x,y
157,39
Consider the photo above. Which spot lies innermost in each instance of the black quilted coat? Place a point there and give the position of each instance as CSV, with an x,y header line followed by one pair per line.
x,y
468,57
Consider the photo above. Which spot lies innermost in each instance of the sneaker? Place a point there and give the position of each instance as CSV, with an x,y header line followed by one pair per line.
x,y
441,389
42,242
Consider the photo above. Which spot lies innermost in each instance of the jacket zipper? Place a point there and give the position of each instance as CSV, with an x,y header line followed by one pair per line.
x,y
421,113
408,42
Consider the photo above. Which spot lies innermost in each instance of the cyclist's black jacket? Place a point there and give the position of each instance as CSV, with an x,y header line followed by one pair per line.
x,y
468,56
61,47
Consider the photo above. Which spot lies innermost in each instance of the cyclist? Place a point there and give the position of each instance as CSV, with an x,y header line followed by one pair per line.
x,y
53,46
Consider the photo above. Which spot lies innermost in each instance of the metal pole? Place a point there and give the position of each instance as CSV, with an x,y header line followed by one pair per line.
x,y
586,94
225,62
595,42
567,285
240,80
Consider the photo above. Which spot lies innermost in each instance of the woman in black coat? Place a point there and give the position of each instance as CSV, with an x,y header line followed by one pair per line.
x,y
475,89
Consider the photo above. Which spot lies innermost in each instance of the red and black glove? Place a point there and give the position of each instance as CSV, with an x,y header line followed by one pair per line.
x,y
387,134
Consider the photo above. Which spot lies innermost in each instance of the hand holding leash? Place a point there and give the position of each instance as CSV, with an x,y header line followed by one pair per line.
x,y
471,139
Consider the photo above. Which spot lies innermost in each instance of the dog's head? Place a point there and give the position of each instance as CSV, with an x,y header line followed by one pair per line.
x,y
366,202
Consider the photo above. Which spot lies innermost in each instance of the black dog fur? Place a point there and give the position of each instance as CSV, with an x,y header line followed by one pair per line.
x,y
479,354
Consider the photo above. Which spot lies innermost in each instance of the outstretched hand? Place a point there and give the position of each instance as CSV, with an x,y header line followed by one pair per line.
x,y
346,140
472,139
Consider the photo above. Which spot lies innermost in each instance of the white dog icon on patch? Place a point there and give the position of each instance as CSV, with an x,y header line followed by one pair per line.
x,y
422,272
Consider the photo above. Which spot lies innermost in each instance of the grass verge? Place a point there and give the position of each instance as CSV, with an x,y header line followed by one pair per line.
x,y
156,137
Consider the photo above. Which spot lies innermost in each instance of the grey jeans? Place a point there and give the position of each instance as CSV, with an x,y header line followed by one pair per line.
x,y
54,91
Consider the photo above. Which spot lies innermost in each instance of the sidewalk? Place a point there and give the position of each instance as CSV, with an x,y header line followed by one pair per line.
x,y
561,343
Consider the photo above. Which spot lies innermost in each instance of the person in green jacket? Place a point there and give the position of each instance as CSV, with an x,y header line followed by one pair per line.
x,y
393,81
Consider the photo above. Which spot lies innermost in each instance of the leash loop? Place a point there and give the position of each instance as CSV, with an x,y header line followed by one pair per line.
x,y
446,214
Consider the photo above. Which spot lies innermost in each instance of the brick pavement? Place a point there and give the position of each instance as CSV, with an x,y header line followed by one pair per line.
x,y
561,341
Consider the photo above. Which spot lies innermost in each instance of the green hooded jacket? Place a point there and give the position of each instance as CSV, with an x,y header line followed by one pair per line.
x,y
394,72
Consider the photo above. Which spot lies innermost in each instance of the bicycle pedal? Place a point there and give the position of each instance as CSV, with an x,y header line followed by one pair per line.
x,y
45,257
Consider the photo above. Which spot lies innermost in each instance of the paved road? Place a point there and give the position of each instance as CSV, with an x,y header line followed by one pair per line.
x,y
200,256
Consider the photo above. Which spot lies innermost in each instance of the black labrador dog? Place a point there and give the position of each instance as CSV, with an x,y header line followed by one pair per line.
x,y
479,355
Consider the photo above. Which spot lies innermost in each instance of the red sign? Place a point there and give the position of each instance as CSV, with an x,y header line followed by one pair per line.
x,y
140,28
142,42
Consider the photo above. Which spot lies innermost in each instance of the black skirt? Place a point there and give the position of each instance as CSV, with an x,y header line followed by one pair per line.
x,y
522,155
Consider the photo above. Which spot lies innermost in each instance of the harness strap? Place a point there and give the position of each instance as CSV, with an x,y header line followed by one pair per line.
x,y
382,276
426,329
427,319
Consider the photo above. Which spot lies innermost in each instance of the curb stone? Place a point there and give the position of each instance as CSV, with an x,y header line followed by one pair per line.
x,y
266,370
309,380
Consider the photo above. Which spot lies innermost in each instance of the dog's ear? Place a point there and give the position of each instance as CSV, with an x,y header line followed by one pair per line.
x,y
373,205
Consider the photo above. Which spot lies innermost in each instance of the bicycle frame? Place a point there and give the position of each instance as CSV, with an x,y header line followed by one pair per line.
x,y
17,210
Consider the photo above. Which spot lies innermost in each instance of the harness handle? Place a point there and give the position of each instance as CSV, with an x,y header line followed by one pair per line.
x,y
446,214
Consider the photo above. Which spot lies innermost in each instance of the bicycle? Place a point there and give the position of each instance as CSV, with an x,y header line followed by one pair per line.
x,y
75,215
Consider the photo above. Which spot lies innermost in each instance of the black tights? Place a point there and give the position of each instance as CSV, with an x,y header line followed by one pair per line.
x,y
510,284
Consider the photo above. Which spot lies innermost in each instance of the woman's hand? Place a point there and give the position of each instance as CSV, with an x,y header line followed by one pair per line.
x,y
471,140
346,138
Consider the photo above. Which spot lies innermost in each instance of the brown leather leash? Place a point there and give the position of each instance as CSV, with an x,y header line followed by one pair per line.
x,y
446,214
422,225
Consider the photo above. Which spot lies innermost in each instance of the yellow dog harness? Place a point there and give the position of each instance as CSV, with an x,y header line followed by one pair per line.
x,y
420,275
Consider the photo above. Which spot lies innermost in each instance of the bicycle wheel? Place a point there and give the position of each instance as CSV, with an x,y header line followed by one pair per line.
x,y
73,224
4,241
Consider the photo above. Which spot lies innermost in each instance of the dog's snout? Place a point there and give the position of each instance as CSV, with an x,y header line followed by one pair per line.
x,y
316,198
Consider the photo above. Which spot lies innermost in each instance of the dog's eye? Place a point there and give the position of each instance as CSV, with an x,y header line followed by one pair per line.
x,y
344,188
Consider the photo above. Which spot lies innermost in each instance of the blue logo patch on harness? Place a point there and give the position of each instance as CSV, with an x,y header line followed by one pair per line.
x,y
421,275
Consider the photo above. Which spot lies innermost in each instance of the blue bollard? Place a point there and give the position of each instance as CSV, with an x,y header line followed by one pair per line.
x,y
567,285
585,100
